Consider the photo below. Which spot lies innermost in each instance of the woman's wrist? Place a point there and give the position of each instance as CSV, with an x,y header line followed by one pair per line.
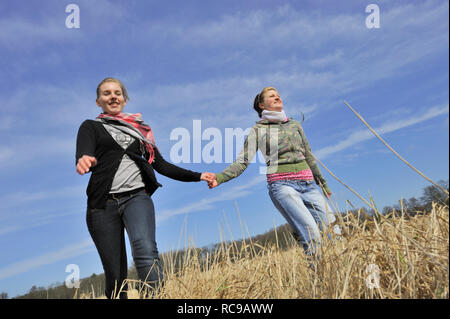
x,y
220,178
326,190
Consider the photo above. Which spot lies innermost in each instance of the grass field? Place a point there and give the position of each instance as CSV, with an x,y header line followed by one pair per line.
x,y
397,257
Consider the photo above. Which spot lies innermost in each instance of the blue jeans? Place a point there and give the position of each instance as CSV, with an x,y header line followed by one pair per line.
x,y
136,214
305,209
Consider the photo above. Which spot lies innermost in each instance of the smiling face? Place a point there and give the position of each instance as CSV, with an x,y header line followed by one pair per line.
x,y
271,101
111,98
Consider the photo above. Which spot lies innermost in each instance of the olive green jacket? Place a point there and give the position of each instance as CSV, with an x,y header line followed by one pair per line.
x,y
284,147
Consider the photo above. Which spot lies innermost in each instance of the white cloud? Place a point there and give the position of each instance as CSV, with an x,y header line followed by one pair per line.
x,y
6,154
391,126
328,59
37,207
206,203
368,58
6,122
263,28
11,223
18,33
26,196
36,151
301,64
46,259
352,140
286,27
48,26
9,229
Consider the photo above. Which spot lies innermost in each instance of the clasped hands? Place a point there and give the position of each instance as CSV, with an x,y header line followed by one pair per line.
x,y
210,178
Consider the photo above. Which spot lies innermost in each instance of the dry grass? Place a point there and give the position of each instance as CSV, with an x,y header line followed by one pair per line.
x,y
411,254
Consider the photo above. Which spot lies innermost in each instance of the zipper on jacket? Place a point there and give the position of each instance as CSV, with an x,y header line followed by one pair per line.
x,y
268,145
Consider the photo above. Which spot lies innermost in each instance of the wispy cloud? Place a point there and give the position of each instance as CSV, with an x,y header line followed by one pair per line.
x,y
22,33
27,197
27,205
287,27
206,203
66,252
328,59
34,150
391,126
35,218
6,154
48,26
355,138
361,58
292,28
302,78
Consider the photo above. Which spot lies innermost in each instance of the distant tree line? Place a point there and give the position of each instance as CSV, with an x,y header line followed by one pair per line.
x,y
422,205
93,285
281,237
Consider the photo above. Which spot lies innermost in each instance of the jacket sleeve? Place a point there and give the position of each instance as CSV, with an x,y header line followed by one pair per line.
x,y
172,171
243,159
309,157
86,141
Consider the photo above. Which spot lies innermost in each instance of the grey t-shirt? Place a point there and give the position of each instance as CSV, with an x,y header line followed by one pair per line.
x,y
128,175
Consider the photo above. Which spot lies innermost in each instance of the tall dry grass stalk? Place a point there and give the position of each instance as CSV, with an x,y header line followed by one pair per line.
x,y
410,255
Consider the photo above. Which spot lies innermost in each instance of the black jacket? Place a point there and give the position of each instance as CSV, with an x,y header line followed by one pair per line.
x,y
94,140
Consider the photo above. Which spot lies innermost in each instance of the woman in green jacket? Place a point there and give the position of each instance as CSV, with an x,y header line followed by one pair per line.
x,y
292,172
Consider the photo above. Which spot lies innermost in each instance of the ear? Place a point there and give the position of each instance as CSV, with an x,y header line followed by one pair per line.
x,y
98,104
261,106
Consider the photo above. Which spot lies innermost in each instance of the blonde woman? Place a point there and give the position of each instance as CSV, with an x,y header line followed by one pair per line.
x,y
120,151
292,173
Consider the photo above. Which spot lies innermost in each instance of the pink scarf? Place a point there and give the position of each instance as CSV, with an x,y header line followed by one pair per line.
x,y
135,122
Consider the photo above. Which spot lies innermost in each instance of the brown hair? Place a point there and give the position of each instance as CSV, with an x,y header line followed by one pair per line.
x,y
124,89
259,98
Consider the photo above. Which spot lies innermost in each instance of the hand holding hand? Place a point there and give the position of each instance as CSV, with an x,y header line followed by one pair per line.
x,y
85,163
213,184
210,178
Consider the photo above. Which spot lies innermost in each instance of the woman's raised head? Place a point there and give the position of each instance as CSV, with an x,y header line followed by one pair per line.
x,y
112,96
268,99
114,80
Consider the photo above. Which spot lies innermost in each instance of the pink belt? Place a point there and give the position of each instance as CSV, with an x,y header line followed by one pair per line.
x,y
304,175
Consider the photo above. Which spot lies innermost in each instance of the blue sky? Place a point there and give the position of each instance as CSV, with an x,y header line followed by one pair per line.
x,y
206,60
